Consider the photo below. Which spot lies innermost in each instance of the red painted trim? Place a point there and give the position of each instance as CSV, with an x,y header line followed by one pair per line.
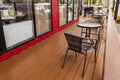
x,y
55,14
30,44
56,28
24,47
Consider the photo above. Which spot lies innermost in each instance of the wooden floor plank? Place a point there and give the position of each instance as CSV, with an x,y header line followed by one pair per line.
x,y
90,68
74,68
64,71
44,60
79,72
99,65
50,67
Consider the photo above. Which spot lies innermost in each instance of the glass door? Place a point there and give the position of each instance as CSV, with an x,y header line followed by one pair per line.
x,y
17,21
42,16
116,8
62,12
115,5
118,13
75,9
70,10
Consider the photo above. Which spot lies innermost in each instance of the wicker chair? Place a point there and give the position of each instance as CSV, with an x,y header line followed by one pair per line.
x,y
88,10
80,45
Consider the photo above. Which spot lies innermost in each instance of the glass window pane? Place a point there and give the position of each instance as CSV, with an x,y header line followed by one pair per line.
x,y
118,14
62,12
17,21
75,9
42,16
115,5
70,10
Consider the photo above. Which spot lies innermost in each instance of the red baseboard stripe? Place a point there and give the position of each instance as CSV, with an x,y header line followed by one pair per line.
x,y
18,50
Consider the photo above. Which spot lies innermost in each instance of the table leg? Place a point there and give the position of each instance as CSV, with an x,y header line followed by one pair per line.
x,y
88,31
81,31
99,10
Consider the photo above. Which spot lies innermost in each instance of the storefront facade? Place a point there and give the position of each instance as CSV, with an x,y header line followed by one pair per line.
x,y
24,23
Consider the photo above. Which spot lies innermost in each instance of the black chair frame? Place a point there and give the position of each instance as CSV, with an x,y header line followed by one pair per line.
x,y
88,10
80,45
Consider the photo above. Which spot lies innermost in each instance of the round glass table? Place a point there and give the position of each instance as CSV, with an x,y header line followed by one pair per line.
x,y
88,26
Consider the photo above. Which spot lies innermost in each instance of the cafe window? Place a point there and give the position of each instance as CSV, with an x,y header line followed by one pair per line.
x,y
114,5
42,16
75,9
70,10
118,13
62,12
17,21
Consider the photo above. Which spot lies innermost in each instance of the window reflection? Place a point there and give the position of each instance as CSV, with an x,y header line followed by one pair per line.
x,y
43,16
16,16
75,9
62,12
70,10
17,11
118,14
115,5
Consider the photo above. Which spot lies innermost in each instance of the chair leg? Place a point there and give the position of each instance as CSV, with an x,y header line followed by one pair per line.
x,y
81,31
95,54
65,58
92,14
96,46
83,71
84,13
99,35
75,55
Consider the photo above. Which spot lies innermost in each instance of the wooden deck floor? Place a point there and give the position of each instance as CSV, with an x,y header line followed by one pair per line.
x,y
43,61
